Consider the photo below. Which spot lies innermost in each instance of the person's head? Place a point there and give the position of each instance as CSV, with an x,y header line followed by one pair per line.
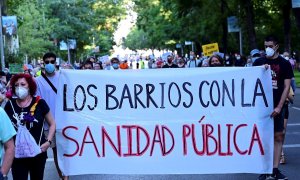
x,y
249,60
205,63
254,54
23,85
124,65
66,66
107,65
6,71
181,62
215,61
87,65
271,47
28,71
50,61
98,66
3,77
286,55
159,63
92,59
115,63
3,91
169,59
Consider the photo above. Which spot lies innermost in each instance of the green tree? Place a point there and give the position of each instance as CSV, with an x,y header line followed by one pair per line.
x,y
33,32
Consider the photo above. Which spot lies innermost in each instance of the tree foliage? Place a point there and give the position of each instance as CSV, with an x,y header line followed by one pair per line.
x,y
205,21
42,24
33,32
160,24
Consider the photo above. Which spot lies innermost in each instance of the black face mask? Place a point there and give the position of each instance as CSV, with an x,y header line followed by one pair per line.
x,y
215,65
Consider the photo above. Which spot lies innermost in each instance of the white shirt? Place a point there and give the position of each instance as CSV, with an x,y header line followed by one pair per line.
x,y
45,91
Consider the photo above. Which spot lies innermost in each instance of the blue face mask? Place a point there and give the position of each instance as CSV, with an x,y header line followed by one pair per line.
x,y
49,68
107,67
115,66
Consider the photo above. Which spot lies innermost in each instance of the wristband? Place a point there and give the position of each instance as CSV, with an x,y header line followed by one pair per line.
x,y
50,142
5,177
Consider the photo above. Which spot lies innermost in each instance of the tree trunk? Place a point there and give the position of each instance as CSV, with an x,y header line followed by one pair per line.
x,y
250,24
224,27
286,10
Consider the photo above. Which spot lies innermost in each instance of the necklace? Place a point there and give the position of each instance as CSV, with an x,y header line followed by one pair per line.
x,y
25,104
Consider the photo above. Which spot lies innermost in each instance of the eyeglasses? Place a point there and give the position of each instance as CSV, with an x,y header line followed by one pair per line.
x,y
52,62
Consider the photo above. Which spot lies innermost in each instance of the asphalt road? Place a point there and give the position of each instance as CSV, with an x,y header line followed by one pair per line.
x,y
291,169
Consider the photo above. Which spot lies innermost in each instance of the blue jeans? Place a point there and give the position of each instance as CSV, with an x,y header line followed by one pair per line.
x,y
1,175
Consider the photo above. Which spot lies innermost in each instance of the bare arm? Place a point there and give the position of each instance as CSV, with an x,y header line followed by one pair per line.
x,y
9,155
50,120
284,95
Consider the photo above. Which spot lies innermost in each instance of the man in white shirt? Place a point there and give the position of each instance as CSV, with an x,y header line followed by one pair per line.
x,y
47,85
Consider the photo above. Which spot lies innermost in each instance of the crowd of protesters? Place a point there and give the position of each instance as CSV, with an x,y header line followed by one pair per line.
x,y
30,84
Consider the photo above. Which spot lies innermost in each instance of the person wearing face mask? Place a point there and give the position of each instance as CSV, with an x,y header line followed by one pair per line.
x,y
87,65
3,90
215,61
170,63
26,109
255,54
240,61
107,65
47,84
115,63
181,63
282,73
193,62
153,64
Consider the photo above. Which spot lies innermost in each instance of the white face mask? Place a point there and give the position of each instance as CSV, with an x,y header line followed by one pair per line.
x,y
270,52
154,65
286,58
22,92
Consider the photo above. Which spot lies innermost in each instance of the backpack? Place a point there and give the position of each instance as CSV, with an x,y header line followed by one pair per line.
x,y
25,144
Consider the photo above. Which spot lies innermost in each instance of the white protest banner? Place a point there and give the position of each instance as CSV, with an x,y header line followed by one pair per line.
x,y
169,121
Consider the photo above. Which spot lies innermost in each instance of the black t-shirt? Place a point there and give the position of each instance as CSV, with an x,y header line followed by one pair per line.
x,y
168,66
35,127
281,69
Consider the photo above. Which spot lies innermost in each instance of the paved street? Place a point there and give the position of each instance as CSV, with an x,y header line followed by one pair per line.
x,y
291,169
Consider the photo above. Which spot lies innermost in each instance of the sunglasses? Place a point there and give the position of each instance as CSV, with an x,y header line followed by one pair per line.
x,y
52,62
